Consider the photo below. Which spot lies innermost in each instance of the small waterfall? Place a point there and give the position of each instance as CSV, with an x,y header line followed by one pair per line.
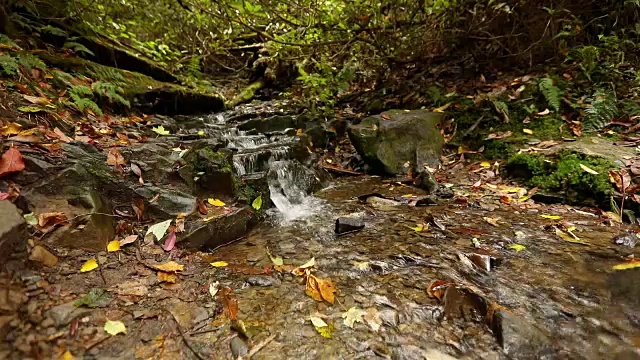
x,y
245,163
290,184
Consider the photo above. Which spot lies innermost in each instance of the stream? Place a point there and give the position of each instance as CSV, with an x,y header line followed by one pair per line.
x,y
472,276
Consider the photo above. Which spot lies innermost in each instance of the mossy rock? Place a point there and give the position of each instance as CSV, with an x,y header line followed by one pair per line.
x,y
143,92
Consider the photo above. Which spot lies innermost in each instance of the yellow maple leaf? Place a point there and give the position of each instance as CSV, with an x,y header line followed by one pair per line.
x,y
113,246
552,217
115,327
219,264
627,265
167,277
89,265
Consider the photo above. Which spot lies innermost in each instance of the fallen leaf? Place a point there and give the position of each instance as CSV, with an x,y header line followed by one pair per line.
x,y
214,288
551,217
545,112
113,246
31,219
219,264
30,109
527,131
437,288
570,238
352,316
492,221
516,247
485,164
372,317
417,228
10,129
327,290
230,303
202,208
257,203
66,356
115,327
62,136
95,298
308,264
128,240
11,161
216,202
160,130
170,242
115,158
627,265
89,265
362,266
317,321
158,230
170,266
589,170
167,277
38,100
499,135
138,208
136,170
47,221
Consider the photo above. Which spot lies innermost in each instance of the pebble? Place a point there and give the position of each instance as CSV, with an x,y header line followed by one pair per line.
x,y
239,347
263,281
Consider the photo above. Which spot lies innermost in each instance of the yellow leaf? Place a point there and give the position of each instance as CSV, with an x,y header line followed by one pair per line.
x,y
11,129
115,327
317,321
442,108
216,202
418,228
527,131
167,277
589,170
171,266
552,217
299,132
627,265
613,216
219,264
362,266
160,130
66,356
570,238
113,246
308,264
492,221
89,265
516,247
485,164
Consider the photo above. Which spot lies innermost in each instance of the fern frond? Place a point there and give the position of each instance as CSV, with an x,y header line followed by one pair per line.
x,y
30,62
77,47
80,90
61,78
502,109
551,93
53,30
9,65
85,103
603,108
110,91
4,39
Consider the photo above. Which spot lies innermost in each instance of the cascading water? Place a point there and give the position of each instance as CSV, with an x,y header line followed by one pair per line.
x,y
289,186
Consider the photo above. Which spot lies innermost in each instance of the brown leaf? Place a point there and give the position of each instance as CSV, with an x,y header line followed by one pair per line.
x,y
36,100
202,207
138,207
437,288
620,178
47,221
27,139
10,129
229,302
11,161
115,158
136,170
62,136
320,289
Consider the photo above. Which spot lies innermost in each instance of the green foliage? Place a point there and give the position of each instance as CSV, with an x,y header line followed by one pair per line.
x,y
587,58
85,103
31,62
9,65
111,92
603,108
80,91
49,29
77,48
551,93
4,39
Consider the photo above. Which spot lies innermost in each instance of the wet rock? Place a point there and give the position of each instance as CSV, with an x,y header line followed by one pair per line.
x,y
269,124
169,203
12,230
519,338
43,256
263,281
238,347
412,352
218,231
397,141
383,204
186,313
209,170
629,240
426,181
389,317
348,224
64,313
5,326
464,303
625,287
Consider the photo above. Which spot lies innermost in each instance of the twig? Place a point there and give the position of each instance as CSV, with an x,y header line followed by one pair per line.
x,y
258,347
102,275
205,331
184,338
473,127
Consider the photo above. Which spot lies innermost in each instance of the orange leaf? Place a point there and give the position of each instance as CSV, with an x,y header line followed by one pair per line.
x,y
11,161
115,158
167,277
320,289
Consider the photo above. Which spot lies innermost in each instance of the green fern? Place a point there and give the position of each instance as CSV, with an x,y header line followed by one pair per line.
x,y
80,91
502,109
53,30
111,91
83,103
9,65
61,79
551,93
30,62
77,48
4,39
587,57
107,73
603,108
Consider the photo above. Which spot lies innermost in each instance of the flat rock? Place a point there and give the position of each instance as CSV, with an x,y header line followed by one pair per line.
x,y
519,338
12,229
598,147
219,231
625,287
64,313
348,224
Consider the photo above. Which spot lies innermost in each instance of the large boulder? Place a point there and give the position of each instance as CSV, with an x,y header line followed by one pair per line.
x,y
399,141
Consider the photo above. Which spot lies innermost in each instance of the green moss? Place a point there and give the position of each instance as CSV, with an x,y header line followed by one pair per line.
x,y
563,174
